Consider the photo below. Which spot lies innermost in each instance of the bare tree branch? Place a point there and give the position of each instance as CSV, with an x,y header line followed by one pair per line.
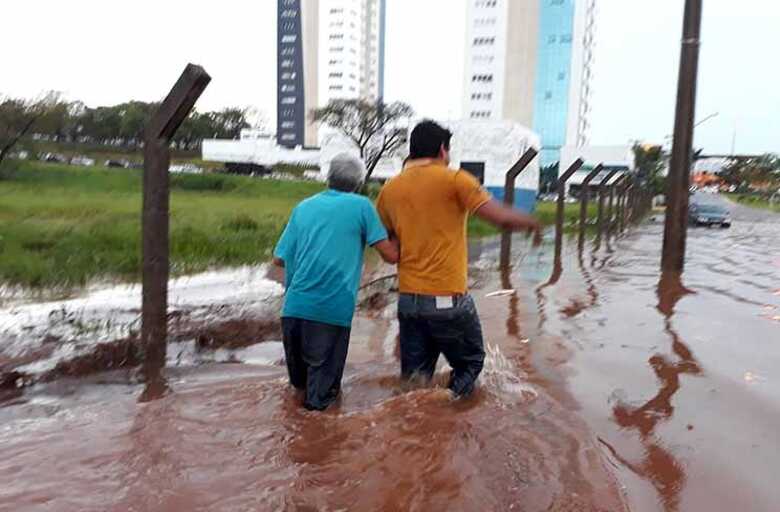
x,y
376,129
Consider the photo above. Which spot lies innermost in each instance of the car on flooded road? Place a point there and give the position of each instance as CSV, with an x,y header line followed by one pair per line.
x,y
704,214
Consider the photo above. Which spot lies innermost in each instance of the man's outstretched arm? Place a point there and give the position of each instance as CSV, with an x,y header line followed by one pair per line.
x,y
505,218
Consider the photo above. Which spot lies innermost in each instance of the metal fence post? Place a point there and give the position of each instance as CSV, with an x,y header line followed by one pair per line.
x,y
602,197
559,214
584,196
155,220
509,200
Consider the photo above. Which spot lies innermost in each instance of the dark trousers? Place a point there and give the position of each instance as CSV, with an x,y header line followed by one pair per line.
x,y
315,354
427,332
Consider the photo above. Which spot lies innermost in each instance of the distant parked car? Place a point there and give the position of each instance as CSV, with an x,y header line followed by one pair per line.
x,y
709,215
185,169
53,158
123,164
82,161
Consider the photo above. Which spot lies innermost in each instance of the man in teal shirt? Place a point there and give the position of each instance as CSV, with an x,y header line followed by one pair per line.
x,y
321,251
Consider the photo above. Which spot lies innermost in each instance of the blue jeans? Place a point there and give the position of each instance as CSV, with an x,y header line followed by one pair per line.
x,y
315,354
427,332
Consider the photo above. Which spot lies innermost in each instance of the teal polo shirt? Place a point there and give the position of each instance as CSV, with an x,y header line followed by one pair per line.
x,y
322,248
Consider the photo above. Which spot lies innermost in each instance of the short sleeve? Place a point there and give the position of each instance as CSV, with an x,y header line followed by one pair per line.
x,y
285,248
375,231
470,193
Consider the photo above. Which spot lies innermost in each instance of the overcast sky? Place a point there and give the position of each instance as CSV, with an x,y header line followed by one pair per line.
x,y
107,51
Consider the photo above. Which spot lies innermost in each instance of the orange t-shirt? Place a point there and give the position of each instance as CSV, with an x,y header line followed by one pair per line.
x,y
426,207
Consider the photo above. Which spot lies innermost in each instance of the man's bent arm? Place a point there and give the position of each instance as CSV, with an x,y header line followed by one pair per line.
x,y
504,217
388,250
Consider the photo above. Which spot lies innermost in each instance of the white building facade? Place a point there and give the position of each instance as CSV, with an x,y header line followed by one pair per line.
x,y
530,61
351,49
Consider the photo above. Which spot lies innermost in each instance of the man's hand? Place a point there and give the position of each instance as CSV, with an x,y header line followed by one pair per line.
x,y
389,250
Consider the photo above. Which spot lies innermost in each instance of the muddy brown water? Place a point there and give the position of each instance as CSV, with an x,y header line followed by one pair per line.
x,y
610,389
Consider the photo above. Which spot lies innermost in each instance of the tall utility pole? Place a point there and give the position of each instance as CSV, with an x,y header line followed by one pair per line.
x,y
676,229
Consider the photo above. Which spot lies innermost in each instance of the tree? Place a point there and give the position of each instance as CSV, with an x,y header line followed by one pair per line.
x,y
228,122
650,162
756,172
377,129
18,117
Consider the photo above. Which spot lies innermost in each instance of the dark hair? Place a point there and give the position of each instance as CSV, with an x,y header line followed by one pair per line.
x,y
427,139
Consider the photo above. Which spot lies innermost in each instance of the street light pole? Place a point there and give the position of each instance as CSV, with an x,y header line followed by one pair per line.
x,y
675,231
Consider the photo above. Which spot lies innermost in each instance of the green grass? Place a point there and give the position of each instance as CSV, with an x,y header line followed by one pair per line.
x,y
64,226
755,201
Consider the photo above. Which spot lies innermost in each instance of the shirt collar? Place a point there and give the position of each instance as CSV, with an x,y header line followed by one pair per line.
x,y
422,162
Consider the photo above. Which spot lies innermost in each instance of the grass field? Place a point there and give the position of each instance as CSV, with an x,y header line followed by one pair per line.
x,y
755,202
65,226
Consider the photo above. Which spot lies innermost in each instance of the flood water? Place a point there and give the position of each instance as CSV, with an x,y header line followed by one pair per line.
x,y
605,389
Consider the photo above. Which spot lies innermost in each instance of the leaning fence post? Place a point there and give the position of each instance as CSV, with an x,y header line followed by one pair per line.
x,y
584,197
155,219
627,205
574,167
602,198
622,195
614,201
509,200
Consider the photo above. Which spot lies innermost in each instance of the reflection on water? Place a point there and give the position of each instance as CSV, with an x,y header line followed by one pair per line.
x,y
660,466
688,432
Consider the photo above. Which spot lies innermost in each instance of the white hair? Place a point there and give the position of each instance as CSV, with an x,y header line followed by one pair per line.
x,y
346,173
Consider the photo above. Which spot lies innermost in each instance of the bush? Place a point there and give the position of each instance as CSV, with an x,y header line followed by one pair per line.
x,y
202,182
240,223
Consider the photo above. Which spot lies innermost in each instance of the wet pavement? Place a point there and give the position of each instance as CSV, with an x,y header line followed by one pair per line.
x,y
606,388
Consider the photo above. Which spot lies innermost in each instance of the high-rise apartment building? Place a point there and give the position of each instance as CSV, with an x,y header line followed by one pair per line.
x,y
530,61
297,72
327,49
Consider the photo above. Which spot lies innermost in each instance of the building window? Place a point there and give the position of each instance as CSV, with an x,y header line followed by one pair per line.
x,y
289,100
548,95
484,41
482,78
289,39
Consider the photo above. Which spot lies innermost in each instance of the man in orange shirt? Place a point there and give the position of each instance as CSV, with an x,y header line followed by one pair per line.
x,y
426,207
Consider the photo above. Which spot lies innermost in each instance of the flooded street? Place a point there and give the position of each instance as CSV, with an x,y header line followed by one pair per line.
x,y
604,390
